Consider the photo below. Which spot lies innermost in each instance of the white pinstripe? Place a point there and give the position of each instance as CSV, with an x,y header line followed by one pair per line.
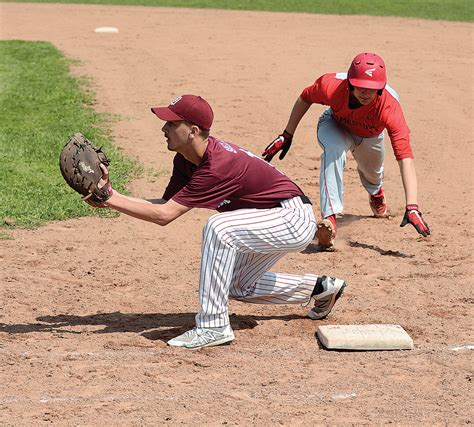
x,y
238,249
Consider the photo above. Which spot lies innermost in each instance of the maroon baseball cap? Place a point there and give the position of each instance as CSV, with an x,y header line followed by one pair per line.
x,y
191,108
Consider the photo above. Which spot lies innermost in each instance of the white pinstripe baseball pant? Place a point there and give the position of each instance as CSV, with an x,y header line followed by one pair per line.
x,y
238,249
367,152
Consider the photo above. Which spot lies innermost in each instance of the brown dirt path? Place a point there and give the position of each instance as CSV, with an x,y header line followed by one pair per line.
x,y
87,305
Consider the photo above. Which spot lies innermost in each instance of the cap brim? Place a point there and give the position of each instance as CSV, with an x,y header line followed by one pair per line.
x,y
164,113
366,84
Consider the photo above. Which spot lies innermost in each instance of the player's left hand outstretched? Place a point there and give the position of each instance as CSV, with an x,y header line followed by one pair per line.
x,y
415,218
84,168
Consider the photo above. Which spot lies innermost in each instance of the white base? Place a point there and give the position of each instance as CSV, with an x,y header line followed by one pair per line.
x,y
364,337
106,30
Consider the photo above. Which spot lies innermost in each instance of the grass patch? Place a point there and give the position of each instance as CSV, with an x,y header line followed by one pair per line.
x,y
6,236
451,10
41,105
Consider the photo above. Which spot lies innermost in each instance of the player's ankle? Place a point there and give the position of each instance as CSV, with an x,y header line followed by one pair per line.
x,y
332,218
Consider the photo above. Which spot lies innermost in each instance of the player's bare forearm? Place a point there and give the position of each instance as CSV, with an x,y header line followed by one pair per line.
x,y
408,173
161,213
145,201
299,110
133,199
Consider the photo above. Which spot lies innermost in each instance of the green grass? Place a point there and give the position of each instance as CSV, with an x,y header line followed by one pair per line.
x,y
452,10
41,105
5,236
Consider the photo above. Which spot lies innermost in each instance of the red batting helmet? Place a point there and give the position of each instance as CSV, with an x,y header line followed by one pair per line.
x,y
367,70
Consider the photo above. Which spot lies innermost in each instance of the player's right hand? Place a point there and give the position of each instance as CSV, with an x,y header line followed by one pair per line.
x,y
105,180
104,187
281,142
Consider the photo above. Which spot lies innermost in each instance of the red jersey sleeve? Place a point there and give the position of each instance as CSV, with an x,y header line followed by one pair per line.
x,y
398,130
321,91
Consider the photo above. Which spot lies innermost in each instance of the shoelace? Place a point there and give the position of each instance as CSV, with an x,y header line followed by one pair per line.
x,y
205,335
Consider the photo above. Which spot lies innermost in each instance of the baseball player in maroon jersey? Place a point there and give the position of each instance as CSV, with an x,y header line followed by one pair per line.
x,y
262,215
361,105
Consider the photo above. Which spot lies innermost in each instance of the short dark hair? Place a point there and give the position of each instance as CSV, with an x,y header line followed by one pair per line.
x,y
202,133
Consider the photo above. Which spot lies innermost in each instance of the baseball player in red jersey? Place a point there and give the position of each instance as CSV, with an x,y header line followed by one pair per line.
x,y
361,105
262,215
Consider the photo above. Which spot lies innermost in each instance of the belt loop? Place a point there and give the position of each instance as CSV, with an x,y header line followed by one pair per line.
x,y
305,199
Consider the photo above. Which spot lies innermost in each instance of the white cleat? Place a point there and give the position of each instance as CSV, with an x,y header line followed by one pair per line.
x,y
203,337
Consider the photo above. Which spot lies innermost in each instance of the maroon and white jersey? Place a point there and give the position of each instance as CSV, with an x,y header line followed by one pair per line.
x,y
228,178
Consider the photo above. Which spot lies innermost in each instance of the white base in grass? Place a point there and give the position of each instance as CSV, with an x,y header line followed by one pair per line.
x,y
106,30
364,337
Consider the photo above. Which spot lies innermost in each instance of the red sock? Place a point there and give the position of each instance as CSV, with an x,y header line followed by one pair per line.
x,y
332,218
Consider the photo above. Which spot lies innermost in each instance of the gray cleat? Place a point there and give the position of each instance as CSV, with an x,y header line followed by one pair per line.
x,y
203,337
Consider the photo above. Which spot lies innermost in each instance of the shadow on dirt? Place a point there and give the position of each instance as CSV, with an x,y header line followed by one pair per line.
x,y
343,221
355,244
313,248
148,324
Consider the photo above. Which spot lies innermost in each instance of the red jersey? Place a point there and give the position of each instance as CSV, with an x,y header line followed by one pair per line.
x,y
228,178
384,112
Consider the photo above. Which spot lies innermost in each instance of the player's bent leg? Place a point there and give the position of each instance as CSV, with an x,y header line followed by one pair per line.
x,y
278,288
369,155
249,268
275,288
335,143
233,238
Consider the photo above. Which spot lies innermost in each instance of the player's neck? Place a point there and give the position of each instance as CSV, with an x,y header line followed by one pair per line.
x,y
354,102
195,150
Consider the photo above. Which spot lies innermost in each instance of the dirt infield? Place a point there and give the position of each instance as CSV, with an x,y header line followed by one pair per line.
x,y
87,305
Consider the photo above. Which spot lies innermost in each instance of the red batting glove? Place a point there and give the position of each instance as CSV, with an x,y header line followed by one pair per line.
x,y
413,216
281,142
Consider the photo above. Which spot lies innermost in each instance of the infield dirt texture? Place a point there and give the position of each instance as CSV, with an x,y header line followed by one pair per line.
x,y
87,305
